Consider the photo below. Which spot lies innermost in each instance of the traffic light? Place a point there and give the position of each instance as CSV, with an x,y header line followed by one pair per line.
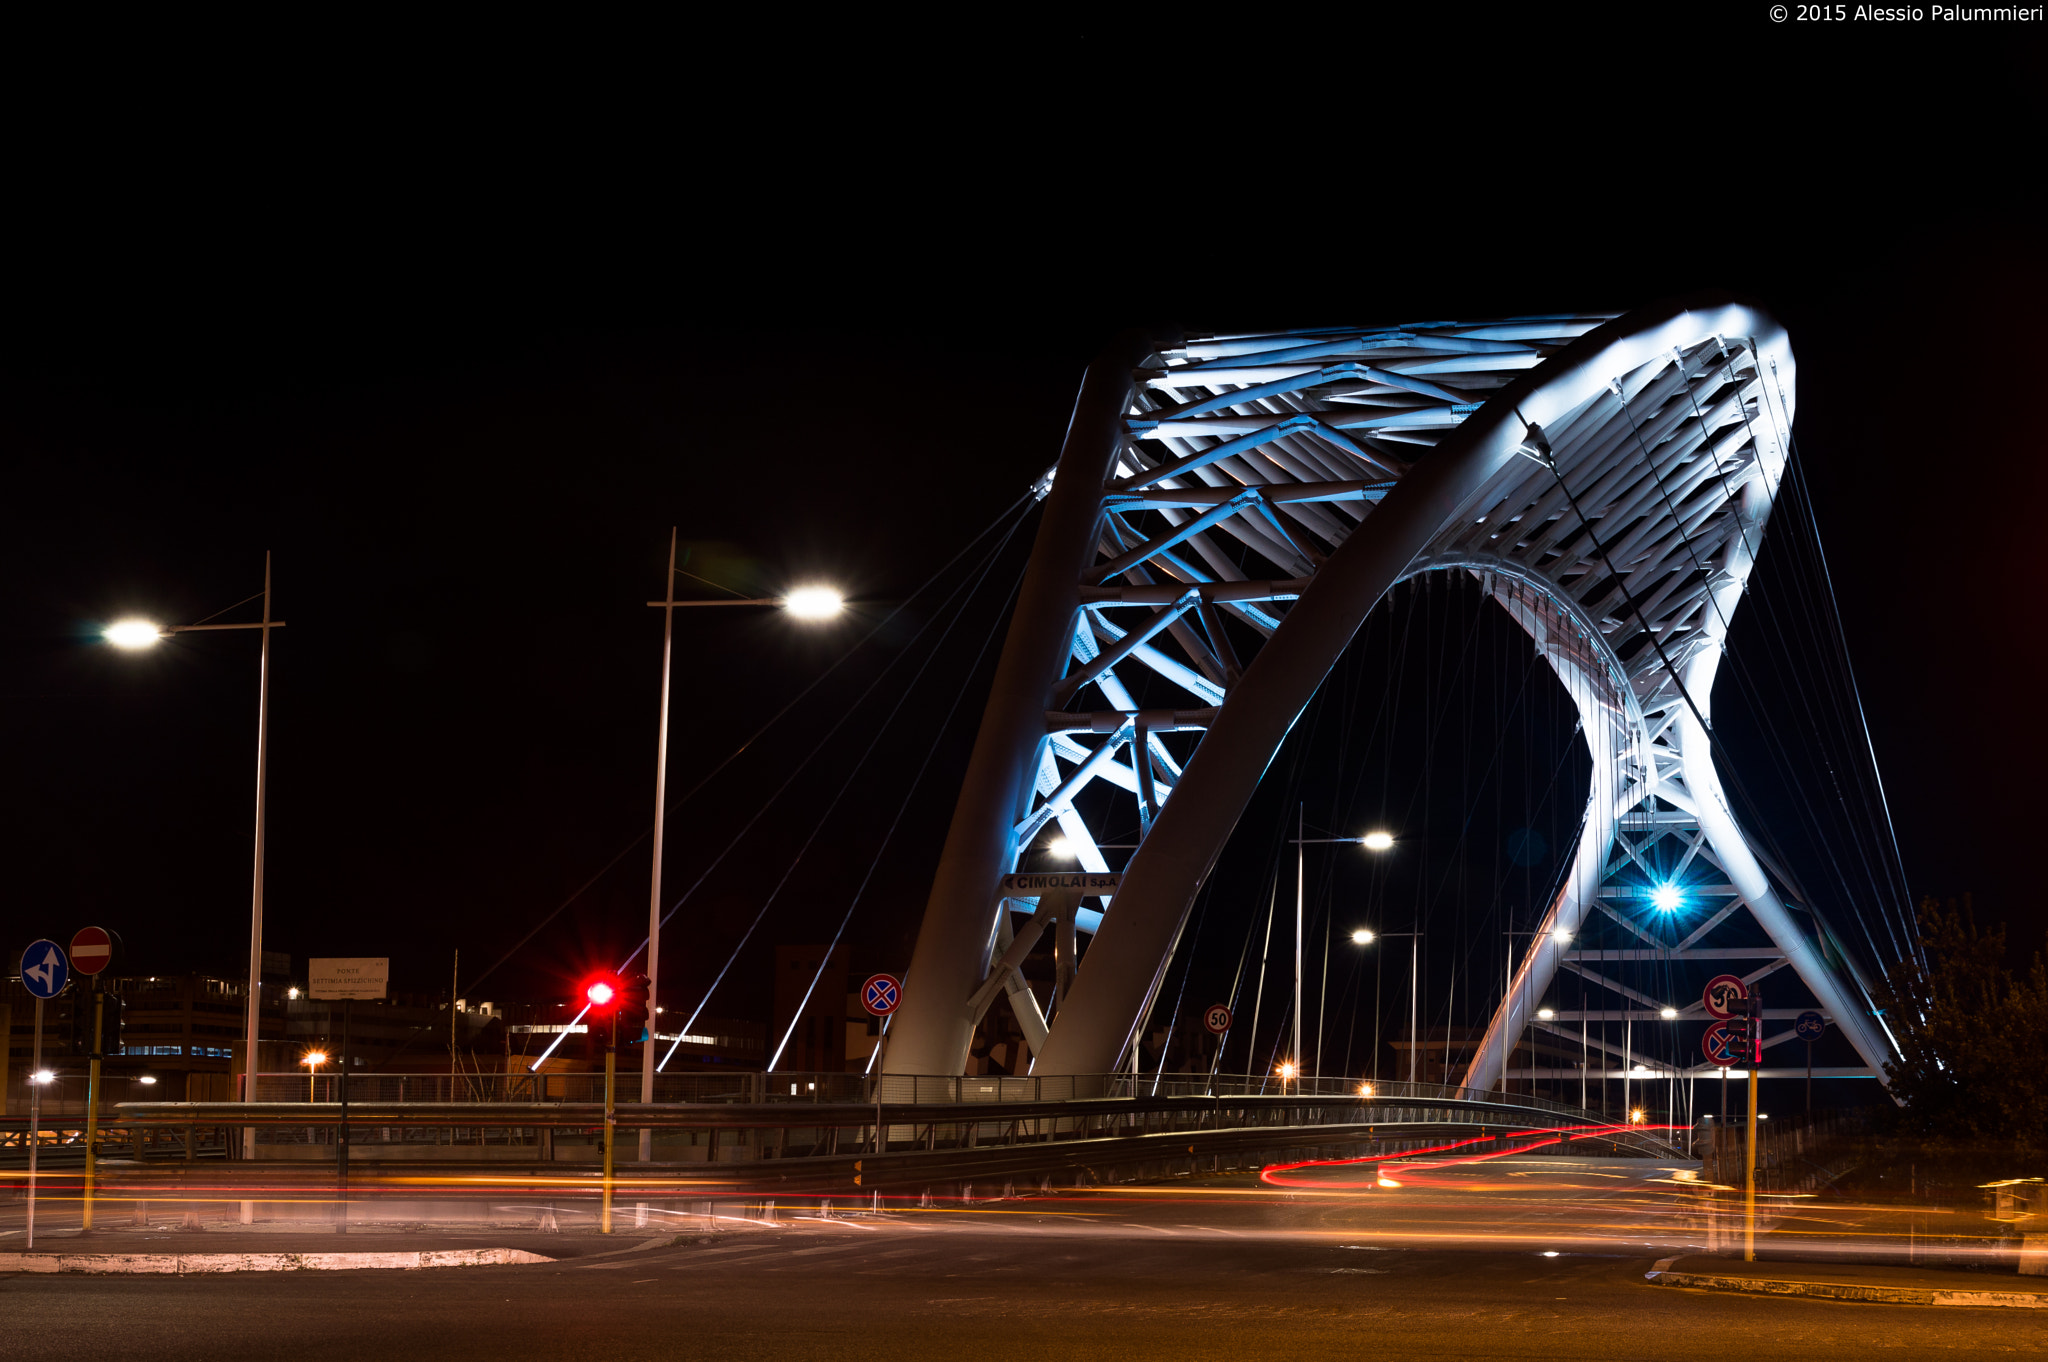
x,y
602,994
632,995
110,1024
80,1040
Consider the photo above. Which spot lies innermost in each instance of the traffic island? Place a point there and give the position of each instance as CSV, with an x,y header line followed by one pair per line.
x,y
1845,1282
195,1264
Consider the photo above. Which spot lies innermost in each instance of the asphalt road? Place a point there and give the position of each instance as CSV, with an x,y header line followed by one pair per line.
x,y
1219,1269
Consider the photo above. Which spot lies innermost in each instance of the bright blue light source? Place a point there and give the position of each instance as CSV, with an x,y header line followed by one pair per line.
x,y
1666,898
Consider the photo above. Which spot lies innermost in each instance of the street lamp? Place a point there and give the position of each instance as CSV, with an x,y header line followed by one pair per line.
x,y
1060,849
312,1059
1371,841
1286,1071
811,603
1361,937
135,634
1414,994
1666,898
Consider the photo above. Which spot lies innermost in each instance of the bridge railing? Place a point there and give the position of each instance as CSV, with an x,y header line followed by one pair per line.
x,y
837,1088
752,1116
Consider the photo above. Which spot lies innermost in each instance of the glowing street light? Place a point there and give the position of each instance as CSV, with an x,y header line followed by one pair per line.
x,y
1636,1117
1365,1089
1377,841
1286,1072
136,634
312,1059
42,1076
1545,1014
814,602
1669,1014
132,634
1665,898
1060,849
1361,937
1561,935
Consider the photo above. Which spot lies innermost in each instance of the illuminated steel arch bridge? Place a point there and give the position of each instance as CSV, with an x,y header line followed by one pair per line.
x,y
1606,478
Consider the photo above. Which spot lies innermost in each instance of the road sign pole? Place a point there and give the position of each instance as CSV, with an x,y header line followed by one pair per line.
x,y
35,1120
92,1102
348,1008
1755,1056
611,1074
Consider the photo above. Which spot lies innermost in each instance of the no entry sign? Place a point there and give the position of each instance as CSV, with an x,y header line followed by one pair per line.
x,y
92,950
1217,1019
880,994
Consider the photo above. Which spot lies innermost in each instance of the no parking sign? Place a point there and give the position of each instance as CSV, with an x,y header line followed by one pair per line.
x,y
881,993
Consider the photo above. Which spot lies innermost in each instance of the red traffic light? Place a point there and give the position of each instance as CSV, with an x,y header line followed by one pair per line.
x,y
601,993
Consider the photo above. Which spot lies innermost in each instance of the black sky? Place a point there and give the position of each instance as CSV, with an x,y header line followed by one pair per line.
x,y
460,333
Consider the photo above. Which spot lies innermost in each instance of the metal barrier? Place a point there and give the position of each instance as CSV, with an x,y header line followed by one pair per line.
x,y
749,1117
828,1088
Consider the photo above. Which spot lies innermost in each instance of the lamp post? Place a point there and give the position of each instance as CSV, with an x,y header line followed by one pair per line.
x,y
313,1059
1364,937
805,603
1371,841
137,634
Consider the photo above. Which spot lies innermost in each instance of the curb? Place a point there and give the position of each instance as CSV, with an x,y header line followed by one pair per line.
x,y
1846,1291
190,1264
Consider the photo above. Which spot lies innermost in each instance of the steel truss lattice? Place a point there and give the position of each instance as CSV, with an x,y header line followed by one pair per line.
x,y
1608,479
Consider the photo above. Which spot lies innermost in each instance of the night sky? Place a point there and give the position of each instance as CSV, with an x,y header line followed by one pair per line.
x,y
461,363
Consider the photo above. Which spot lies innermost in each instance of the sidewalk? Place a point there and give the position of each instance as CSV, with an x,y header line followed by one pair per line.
x,y
1853,1282
297,1246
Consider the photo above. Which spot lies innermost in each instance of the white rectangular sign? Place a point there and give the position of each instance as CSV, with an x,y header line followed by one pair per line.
x,y
339,977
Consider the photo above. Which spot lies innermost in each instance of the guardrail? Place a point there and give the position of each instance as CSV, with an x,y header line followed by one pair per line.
x,y
825,1088
752,1120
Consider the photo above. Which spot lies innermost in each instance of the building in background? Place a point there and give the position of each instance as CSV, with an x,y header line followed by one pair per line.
x,y
818,1043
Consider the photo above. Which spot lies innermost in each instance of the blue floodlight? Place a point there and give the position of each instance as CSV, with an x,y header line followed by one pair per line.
x,y
1666,898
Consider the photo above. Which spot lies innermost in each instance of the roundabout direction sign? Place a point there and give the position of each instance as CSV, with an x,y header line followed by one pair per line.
x,y
1216,1019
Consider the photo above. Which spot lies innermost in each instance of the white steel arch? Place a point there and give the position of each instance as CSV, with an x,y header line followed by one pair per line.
x,y
1225,513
